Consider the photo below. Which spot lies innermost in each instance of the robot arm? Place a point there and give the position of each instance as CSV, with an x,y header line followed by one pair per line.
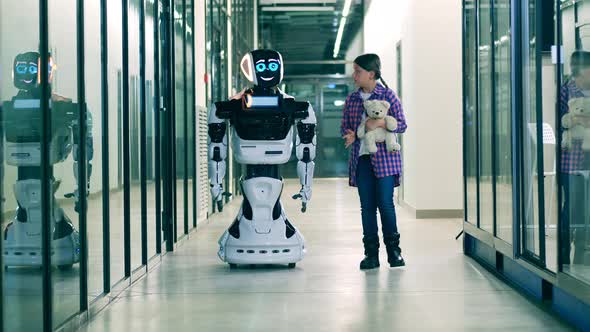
x,y
217,155
305,149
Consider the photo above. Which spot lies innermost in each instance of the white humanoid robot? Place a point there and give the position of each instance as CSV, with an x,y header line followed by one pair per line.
x,y
21,123
263,121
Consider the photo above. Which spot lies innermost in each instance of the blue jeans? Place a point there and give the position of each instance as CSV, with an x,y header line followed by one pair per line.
x,y
375,193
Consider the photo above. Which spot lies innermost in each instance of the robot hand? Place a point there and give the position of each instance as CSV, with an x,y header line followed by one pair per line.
x,y
77,196
217,194
305,195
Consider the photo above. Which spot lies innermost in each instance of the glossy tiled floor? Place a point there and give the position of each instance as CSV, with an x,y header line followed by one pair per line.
x,y
440,289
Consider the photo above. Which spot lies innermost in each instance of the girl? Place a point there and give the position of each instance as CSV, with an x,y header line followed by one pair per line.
x,y
375,175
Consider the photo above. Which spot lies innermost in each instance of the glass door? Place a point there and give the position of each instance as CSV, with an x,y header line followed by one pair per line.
x,y
538,135
574,169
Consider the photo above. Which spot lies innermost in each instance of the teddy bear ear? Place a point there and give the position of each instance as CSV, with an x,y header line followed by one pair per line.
x,y
574,101
384,103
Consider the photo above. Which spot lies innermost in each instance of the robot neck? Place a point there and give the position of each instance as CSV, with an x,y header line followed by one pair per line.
x,y
29,94
264,91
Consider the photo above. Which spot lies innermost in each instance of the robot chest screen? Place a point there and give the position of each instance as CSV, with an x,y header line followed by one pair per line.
x,y
271,124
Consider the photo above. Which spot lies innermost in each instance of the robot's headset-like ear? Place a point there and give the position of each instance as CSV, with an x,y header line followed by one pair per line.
x,y
282,67
247,65
51,68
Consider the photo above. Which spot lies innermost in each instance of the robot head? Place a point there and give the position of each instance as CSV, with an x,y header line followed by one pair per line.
x,y
264,68
25,71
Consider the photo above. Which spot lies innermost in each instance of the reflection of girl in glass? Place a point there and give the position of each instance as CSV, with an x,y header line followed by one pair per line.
x,y
575,163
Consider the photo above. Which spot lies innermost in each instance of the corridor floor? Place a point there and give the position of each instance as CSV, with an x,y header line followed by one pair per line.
x,y
440,289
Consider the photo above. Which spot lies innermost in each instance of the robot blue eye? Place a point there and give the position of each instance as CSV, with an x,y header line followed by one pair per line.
x,y
33,69
21,69
260,67
273,66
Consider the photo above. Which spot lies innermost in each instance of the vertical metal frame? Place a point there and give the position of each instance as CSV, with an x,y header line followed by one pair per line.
x,y
104,56
559,178
173,146
157,126
521,230
523,6
531,256
2,220
167,124
185,122
142,134
516,103
539,110
46,169
464,64
194,115
126,152
494,117
578,41
477,114
82,158
464,51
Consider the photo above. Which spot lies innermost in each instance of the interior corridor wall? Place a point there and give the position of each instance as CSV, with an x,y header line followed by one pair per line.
x,y
430,35
382,31
200,54
355,49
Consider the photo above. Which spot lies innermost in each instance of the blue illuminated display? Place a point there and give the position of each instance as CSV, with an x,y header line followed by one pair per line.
x,y
273,66
260,67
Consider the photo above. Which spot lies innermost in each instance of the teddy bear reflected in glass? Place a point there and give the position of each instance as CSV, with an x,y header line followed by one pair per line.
x,y
22,124
377,109
573,123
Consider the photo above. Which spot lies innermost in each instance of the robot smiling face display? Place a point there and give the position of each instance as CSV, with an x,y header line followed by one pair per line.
x,y
264,68
25,71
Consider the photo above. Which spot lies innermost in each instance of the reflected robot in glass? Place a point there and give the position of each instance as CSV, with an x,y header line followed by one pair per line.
x,y
263,121
22,130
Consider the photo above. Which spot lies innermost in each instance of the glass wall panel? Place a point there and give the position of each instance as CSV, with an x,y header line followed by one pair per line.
x,y
503,134
486,197
94,152
115,76
180,121
529,135
134,133
161,124
22,286
539,142
20,134
575,164
150,128
470,108
63,46
191,116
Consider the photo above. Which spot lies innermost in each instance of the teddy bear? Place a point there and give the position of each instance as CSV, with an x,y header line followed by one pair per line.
x,y
579,108
377,109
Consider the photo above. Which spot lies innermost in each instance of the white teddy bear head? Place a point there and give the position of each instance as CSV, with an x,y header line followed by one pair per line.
x,y
579,106
376,109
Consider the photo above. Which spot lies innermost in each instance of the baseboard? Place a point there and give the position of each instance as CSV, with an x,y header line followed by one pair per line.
x,y
432,214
